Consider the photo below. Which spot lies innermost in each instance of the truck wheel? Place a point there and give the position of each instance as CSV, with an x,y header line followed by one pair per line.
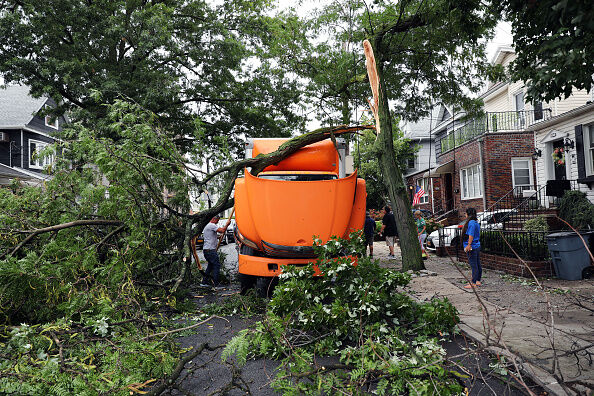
x,y
265,286
246,282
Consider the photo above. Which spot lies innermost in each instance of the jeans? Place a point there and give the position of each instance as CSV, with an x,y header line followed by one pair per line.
x,y
474,261
213,268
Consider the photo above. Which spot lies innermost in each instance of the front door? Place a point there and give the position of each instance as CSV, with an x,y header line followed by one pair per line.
x,y
558,159
449,197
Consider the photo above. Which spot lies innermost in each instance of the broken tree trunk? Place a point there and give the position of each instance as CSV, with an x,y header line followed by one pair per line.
x,y
393,179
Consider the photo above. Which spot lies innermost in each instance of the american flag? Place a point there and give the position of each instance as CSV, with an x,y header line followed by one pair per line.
x,y
418,194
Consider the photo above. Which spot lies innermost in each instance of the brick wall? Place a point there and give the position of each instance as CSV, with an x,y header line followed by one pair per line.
x,y
499,150
412,181
509,265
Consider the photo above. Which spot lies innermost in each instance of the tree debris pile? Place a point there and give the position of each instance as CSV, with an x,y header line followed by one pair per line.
x,y
386,342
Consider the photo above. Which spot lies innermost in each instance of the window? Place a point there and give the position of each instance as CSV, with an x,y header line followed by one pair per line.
x,y
470,182
298,177
37,161
411,163
50,120
424,184
521,173
589,148
519,102
537,110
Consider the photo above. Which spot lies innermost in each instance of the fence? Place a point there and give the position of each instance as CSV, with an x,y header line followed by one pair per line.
x,y
505,121
529,245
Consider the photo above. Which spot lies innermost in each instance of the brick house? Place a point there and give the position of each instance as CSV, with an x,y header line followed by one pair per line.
x,y
486,158
24,132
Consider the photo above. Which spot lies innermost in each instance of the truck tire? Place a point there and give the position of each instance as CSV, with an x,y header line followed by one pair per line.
x,y
246,282
265,286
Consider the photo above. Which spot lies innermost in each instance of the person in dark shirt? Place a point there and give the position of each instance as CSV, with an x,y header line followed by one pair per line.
x,y
389,229
369,230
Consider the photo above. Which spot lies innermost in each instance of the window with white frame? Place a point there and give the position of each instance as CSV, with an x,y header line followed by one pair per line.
x,y
425,185
588,131
37,159
522,173
471,182
50,119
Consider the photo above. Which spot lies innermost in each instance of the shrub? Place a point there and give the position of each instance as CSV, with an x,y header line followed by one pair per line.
x,y
538,224
577,210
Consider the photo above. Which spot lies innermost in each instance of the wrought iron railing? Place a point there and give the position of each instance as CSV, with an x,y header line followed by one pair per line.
x,y
529,245
506,121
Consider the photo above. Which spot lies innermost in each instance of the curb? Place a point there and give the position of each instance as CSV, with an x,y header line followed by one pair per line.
x,y
537,374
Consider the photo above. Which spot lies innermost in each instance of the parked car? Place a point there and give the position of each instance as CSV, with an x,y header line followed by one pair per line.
x,y
450,235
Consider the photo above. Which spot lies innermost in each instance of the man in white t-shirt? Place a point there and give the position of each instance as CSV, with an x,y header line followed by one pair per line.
x,y
211,275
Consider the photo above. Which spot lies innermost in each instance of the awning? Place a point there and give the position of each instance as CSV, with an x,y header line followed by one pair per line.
x,y
7,171
448,167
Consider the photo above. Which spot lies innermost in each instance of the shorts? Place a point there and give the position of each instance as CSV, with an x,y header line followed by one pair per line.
x,y
390,240
368,240
422,240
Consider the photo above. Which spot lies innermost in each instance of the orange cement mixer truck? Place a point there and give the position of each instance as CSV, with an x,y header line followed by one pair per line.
x,y
279,211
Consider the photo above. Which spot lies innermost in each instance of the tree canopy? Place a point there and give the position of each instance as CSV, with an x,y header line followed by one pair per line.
x,y
181,60
554,43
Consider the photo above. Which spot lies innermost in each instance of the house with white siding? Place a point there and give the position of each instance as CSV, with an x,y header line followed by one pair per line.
x,y
571,134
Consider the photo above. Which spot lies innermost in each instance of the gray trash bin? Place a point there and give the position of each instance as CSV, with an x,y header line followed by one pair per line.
x,y
569,254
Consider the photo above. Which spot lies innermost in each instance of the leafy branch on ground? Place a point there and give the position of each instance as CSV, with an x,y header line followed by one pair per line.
x,y
357,312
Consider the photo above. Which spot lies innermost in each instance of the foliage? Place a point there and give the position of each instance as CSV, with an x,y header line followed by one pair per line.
x,y
358,312
247,305
94,268
554,42
538,224
577,210
432,225
367,164
178,59
66,358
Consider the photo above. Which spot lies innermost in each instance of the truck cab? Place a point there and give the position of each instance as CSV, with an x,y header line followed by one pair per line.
x,y
279,211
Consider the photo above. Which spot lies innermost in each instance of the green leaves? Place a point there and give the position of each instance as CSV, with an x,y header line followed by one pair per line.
x,y
359,313
553,40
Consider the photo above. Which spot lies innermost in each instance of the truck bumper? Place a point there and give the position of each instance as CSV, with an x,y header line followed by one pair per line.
x,y
268,266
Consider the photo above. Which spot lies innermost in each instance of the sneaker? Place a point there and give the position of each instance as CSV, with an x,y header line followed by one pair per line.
x,y
205,285
478,283
219,287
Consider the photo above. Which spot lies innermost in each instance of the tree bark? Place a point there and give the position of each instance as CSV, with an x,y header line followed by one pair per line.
x,y
394,181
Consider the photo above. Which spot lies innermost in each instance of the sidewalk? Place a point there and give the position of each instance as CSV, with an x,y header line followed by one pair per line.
x,y
518,318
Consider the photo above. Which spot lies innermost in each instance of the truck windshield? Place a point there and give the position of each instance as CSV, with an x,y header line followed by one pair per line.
x,y
299,177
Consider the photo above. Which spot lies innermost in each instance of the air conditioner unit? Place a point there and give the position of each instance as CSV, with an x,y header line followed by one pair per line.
x,y
3,137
